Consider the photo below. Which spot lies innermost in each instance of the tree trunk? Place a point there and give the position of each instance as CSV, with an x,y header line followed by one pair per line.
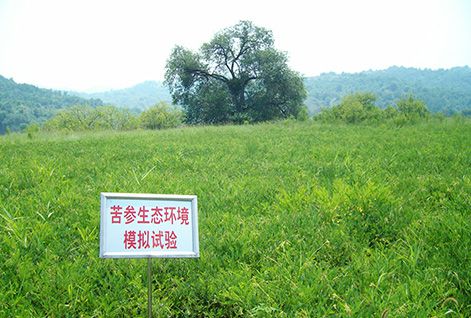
x,y
237,91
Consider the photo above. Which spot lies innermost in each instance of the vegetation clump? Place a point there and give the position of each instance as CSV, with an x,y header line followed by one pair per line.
x,y
161,116
87,118
361,108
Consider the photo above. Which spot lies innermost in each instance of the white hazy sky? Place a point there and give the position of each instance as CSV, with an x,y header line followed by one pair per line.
x,y
98,44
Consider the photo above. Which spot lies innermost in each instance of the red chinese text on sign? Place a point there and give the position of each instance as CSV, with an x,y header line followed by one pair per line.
x,y
141,225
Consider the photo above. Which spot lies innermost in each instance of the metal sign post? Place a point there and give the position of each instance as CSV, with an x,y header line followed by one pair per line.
x,y
149,287
148,225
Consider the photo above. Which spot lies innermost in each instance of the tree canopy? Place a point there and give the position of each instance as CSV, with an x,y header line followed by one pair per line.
x,y
237,76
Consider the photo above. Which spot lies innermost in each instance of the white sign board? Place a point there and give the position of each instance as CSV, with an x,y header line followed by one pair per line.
x,y
148,225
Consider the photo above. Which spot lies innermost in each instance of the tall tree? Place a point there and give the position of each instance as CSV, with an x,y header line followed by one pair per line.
x,y
236,76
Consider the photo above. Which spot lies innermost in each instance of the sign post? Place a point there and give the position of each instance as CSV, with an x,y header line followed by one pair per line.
x,y
149,287
148,225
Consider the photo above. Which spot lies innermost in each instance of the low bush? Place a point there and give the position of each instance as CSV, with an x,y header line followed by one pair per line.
x,y
360,108
83,118
161,116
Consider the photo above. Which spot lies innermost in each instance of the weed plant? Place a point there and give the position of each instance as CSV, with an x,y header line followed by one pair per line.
x,y
296,220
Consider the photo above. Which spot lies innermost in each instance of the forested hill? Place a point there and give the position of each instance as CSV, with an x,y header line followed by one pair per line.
x,y
22,104
138,97
447,91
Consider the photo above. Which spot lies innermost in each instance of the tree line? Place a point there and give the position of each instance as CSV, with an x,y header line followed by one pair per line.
x,y
22,104
446,91
356,108
236,77
87,118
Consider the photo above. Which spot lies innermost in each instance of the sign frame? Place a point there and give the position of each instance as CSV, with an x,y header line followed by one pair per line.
x,y
194,253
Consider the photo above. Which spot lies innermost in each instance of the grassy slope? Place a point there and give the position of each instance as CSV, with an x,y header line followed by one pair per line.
x,y
295,220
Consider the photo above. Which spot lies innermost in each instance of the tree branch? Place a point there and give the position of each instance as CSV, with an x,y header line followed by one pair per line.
x,y
206,74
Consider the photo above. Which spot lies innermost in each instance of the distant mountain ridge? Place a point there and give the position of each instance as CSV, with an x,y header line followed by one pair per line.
x,y
22,104
137,97
447,91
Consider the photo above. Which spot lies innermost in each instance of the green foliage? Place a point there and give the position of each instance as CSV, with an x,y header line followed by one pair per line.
x,y
352,109
303,114
83,118
444,90
161,116
412,108
22,104
237,76
32,129
296,219
390,112
360,107
114,118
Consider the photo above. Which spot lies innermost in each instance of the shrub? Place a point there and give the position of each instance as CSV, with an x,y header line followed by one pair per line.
x,y
389,112
110,117
161,116
353,108
303,114
32,129
75,118
81,118
412,108
360,107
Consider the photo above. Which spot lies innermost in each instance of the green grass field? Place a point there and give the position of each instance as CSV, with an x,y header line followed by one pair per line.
x,y
295,220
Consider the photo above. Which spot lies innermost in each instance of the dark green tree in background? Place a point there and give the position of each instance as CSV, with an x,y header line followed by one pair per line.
x,y
238,76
